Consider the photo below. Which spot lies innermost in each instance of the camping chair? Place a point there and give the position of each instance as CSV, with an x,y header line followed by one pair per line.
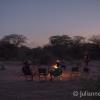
x,y
75,71
86,70
42,72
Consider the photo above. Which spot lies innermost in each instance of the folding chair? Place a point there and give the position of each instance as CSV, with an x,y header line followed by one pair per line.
x,y
42,73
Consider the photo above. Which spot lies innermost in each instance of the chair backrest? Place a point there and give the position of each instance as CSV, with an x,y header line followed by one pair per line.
x,y
42,71
75,69
86,70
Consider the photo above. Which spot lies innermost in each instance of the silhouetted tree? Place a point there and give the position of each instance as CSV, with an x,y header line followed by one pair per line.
x,y
77,40
95,46
95,39
77,46
15,39
60,47
60,40
7,51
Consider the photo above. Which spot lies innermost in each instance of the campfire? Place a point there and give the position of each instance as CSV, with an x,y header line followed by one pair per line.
x,y
55,66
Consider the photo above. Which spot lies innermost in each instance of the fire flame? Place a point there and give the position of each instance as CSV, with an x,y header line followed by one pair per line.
x,y
55,66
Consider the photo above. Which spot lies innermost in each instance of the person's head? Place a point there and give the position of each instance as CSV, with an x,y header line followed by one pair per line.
x,y
58,61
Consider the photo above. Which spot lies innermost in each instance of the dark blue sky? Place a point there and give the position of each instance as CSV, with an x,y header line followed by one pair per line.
x,y
40,19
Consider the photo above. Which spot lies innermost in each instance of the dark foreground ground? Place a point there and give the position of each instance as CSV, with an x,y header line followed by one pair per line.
x,y
19,90
14,87
43,90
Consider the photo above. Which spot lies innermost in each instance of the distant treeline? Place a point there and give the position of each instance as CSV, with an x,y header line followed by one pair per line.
x,y
12,47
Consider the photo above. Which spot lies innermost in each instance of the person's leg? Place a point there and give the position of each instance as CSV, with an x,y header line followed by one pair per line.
x,y
51,76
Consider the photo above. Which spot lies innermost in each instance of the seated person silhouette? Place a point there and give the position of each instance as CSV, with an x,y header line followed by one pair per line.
x,y
27,70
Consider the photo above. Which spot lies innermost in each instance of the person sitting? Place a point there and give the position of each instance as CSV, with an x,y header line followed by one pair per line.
x,y
27,70
63,65
55,71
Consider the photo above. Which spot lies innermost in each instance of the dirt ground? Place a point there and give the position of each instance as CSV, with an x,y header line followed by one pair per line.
x,y
13,86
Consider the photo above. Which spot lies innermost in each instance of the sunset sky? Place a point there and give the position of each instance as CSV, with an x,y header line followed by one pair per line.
x,y
40,19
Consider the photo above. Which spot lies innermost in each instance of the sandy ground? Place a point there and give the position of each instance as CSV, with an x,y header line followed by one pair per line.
x,y
14,87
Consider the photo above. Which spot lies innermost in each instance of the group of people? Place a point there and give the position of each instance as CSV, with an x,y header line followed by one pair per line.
x,y
28,72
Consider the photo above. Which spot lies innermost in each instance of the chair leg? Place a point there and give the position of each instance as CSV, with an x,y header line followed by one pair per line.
x,y
45,77
51,77
39,77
